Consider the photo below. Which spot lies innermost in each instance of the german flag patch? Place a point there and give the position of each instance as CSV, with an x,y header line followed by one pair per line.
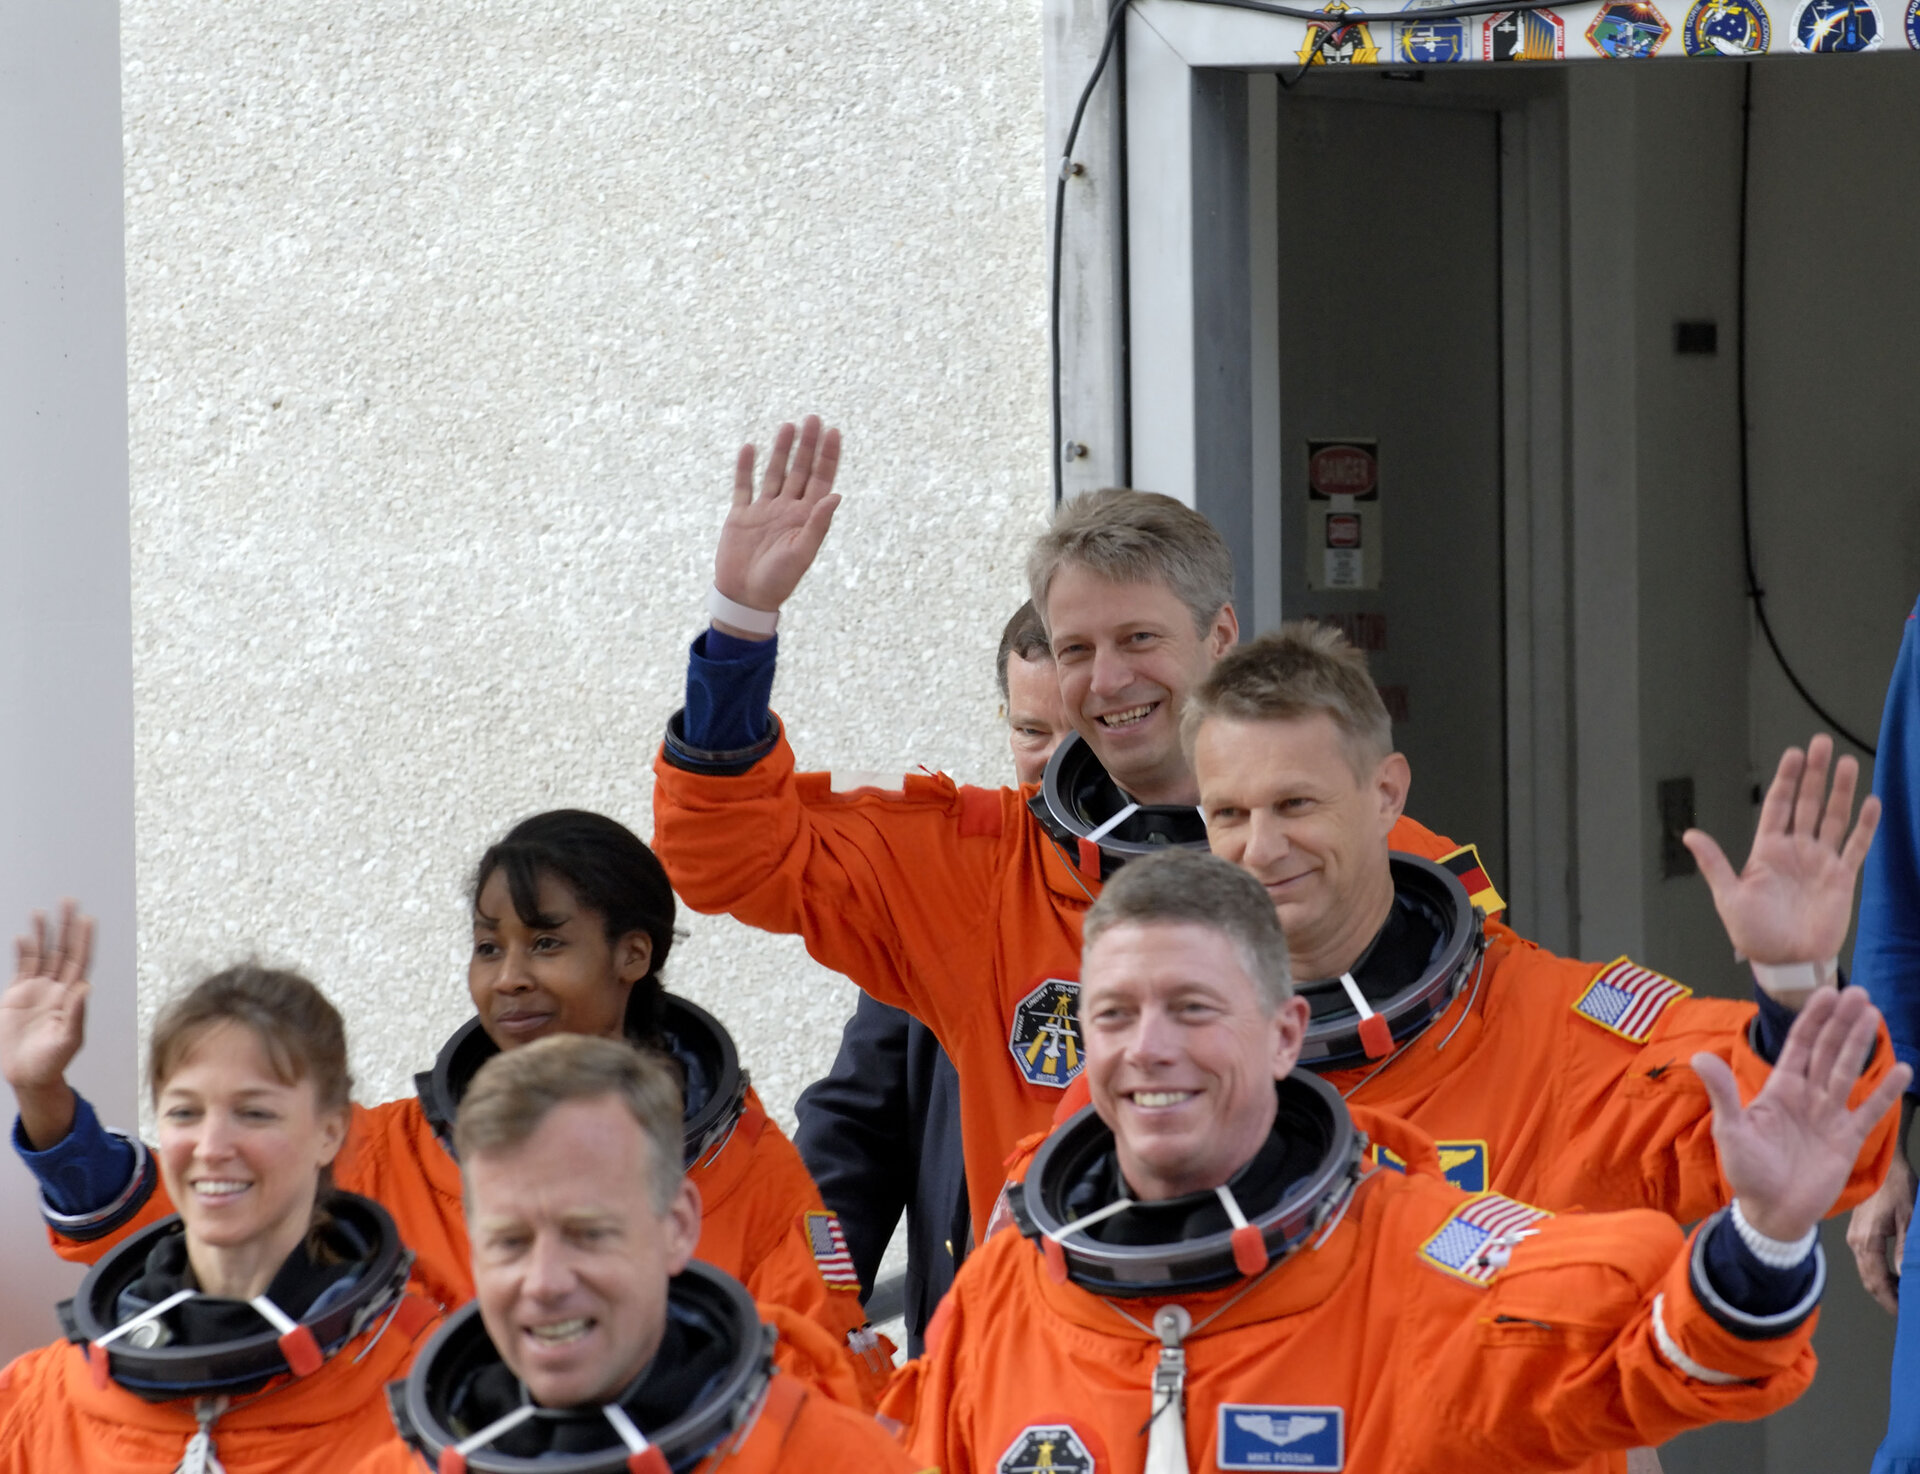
x,y
1467,869
1627,999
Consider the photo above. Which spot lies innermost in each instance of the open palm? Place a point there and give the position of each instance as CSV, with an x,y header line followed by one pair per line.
x,y
1789,1152
43,1013
1794,900
770,541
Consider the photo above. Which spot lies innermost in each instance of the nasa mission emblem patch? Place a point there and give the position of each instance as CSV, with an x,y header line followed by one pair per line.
x,y
1045,1041
1043,1448
1297,1438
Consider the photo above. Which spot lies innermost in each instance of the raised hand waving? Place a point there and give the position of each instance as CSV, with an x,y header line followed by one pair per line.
x,y
43,1021
769,541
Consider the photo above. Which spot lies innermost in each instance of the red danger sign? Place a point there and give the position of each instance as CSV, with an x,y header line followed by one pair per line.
x,y
1342,467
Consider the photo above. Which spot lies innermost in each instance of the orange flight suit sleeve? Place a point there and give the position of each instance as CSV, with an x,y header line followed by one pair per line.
x,y
92,1250
923,1393
1580,1347
875,882
1636,1127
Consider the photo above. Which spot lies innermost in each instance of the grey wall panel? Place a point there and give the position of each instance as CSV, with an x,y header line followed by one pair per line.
x,y
66,683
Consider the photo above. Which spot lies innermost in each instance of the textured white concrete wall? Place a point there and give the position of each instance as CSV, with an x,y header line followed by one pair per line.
x,y
444,322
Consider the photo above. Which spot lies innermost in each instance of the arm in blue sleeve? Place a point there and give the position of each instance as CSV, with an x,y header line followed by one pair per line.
x,y
1886,952
87,1170
725,726
1749,1297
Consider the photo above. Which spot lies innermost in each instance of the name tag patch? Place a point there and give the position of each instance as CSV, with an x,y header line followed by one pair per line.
x,y
1627,999
1255,1436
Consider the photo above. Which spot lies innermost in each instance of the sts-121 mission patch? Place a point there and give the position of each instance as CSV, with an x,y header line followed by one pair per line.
x,y
1045,1040
1046,1448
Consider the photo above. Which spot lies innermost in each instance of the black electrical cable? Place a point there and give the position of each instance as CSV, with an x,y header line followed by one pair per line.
x,y
1330,21
1115,14
1755,593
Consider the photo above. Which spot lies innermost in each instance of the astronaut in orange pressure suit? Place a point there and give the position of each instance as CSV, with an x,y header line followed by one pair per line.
x,y
595,1342
960,905
763,1220
1209,1276
1544,1078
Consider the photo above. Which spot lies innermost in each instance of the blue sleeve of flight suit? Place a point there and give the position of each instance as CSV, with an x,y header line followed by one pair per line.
x,y
1886,952
86,1169
856,1133
729,683
1886,962
1900,1453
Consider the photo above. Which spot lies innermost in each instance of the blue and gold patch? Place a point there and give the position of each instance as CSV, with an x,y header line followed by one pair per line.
x,y
1430,42
1045,1038
1463,1162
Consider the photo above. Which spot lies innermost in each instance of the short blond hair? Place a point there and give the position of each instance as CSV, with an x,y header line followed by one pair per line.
x,y
515,1091
1136,537
1300,670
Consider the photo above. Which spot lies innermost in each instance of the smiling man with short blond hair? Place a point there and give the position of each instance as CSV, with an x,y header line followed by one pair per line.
x,y
1205,1239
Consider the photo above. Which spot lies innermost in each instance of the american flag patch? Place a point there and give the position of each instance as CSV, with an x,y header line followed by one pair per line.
x,y
829,1247
1626,999
1473,1244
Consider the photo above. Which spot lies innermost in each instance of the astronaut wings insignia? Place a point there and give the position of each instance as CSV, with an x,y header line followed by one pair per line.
x,y
1279,1432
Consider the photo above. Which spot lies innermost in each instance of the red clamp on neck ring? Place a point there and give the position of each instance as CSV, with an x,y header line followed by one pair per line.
x,y
97,1363
1249,1244
301,1351
1056,1258
1249,1250
1375,1035
1089,865
452,1461
650,1461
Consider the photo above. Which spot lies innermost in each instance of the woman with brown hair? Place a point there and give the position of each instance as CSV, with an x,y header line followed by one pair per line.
x,y
255,1328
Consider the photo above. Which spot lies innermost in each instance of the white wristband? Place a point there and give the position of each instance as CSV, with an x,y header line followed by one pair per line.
x,y
1774,1253
741,616
1795,979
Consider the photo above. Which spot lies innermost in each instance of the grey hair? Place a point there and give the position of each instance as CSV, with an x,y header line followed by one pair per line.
x,y
1134,537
